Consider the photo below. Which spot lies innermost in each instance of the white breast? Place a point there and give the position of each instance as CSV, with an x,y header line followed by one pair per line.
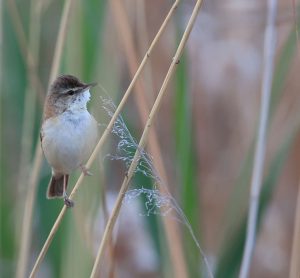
x,y
68,140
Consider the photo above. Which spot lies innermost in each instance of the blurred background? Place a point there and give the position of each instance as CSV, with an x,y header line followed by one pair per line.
x,y
202,143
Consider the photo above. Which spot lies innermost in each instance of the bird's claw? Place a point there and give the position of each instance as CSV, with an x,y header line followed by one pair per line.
x,y
85,171
68,202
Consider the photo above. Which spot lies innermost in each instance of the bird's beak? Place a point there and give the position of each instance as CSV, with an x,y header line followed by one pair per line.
x,y
90,85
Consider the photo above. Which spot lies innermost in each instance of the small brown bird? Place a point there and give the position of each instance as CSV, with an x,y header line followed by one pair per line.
x,y
68,133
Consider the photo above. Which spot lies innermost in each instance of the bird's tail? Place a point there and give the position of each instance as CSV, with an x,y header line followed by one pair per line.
x,y
56,186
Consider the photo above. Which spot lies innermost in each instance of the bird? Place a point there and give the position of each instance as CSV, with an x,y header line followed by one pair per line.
x,y
68,132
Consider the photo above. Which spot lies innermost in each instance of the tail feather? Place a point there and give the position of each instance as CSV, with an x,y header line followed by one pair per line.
x,y
56,187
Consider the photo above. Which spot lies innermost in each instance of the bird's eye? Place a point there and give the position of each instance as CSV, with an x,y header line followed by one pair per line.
x,y
70,93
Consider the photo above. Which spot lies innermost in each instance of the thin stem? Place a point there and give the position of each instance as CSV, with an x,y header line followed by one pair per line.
x,y
28,212
257,174
112,220
101,141
171,227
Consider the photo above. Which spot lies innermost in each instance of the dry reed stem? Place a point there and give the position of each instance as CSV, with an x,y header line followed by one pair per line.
x,y
111,222
26,53
295,256
28,212
171,227
260,149
101,141
26,143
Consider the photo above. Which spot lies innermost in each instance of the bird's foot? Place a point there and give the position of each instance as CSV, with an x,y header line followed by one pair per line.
x,y
68,202
85,171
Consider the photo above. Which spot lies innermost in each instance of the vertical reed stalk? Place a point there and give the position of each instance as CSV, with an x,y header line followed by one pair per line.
x,y
28,212
260,149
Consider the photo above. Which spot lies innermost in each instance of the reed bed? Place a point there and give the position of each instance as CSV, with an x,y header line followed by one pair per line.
x,y
179,87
